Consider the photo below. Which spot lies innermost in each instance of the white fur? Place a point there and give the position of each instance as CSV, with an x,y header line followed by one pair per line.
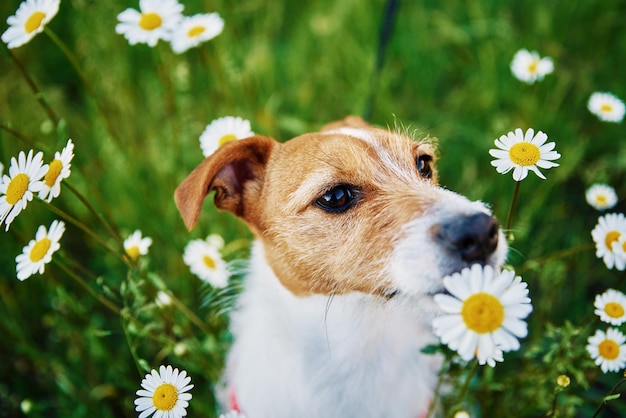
x,y
354,355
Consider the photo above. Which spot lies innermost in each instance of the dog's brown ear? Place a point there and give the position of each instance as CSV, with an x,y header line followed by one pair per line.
x,y
347,122
235,169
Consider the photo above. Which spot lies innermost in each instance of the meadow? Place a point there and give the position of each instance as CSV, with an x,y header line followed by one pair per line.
x,y
78,339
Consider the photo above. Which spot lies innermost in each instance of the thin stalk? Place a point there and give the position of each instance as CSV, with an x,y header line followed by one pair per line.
x,y
91,209
610,396
436,393
79,70
31,84
16,134
85,229
555,256
190,315
465,387
509,217
70,57
110,305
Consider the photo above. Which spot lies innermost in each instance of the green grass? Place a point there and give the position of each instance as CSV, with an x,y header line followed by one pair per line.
x,y
290,67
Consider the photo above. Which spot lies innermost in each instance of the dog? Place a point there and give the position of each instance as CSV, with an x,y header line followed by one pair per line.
x,y
353,236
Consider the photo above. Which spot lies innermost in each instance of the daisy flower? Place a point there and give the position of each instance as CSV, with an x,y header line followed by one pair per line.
x,y
607,107
39,251
163,393
223,130
601,196
194,30
522,152
58,170
530,67
136,246
482,316
163,299
607,349
205,261
30,19
608,231
611,307
157,19
17,188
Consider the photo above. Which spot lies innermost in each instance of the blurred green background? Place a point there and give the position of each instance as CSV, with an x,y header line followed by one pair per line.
x,y
290,67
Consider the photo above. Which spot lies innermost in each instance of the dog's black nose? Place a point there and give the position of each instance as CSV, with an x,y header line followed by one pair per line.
x,y
473,237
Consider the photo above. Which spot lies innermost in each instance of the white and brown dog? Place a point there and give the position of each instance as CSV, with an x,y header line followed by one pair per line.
x,y
353,238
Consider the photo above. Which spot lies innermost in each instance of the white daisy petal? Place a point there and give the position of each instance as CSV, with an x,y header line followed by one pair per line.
x,y
29,20
136,245
601,196
607,107
194,30
17,189
530,67
609,230
488,316
608,350
165,393
39,251
522,152
611,307
205,261
223,130
58,169
156,20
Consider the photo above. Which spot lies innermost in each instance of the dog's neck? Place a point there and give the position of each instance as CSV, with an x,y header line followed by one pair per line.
x,y
331,337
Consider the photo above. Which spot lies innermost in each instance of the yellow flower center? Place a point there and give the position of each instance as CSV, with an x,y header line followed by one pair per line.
x,y
210,263
614,310
563,380
482,313
40,249
226,138
150,21
16,189
195,31
54,169
601,200
524,154
606,108
608,349
532,67
165,397
34,21
133,252
610,238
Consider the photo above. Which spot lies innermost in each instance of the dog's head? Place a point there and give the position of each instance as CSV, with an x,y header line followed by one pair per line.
x,y
352,208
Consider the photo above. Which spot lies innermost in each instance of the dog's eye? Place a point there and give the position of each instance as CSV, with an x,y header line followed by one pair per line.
x,y
424,165
338,199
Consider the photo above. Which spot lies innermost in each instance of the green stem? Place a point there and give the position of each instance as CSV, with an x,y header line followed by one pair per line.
x,y
70,57
85,229
509,217
110,305
95,213
436,393
555,256
190,315
611,393
468,380
38,95
16,134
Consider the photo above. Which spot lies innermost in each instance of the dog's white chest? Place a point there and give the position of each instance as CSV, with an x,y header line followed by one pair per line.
x,y
350,355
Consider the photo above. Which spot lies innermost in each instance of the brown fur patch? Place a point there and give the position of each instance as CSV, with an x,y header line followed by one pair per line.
x,y
311,250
